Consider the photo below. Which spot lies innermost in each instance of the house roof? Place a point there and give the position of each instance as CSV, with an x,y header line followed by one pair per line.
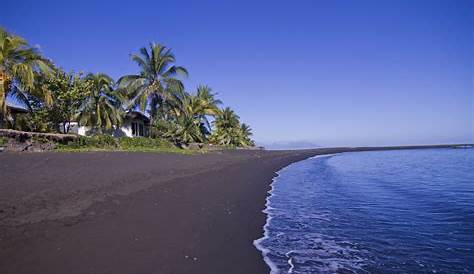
x,y
16,109
137,115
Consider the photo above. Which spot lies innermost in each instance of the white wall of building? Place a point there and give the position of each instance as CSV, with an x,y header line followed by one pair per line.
x,y
124,131
127,128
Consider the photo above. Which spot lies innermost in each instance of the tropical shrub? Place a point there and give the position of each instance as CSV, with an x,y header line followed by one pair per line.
x,y
68,91
3,141
127,143
34,121
101,142
98,141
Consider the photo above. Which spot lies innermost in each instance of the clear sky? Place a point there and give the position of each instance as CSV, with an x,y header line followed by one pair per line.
x,y
322,72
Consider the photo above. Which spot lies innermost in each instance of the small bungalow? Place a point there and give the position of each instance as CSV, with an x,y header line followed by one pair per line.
x,y
134,124
14,112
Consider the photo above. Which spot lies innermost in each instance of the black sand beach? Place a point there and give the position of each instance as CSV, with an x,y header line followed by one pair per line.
x,y
115,212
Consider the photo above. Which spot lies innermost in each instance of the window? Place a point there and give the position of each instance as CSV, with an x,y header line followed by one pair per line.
x,y
138,129
134,129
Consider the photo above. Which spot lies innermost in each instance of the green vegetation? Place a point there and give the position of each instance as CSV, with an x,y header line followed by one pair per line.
x,y
68,92
3,141
20,65
229,131
157,81
107,143
101,109
55,99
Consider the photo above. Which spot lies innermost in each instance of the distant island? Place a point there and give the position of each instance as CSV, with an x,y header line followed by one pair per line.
x,y
291,145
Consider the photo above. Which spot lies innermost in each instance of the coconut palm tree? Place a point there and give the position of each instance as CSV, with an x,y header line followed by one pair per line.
x,y
19,66
183,130
189,113
188,130
208,104
103,107
245,135
184,123
158,77
229,132
227,119
227,128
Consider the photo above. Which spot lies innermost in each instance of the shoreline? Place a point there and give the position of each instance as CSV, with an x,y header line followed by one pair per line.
x,y
278,251
257,242
144,212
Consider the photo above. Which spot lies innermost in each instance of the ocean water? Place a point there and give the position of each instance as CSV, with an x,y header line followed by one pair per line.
x,y
406,211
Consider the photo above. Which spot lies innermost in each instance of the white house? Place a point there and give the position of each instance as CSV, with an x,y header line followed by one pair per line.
x,y
134,124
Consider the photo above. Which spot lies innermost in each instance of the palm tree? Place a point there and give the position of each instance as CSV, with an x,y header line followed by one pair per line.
x,y
102,108
187,115
227,128
185,120
188,130
19,66
245,137
183,130
157,78
229,132
208,104
227,119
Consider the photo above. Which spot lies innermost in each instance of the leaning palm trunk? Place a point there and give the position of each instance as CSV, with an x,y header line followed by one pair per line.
x,y
5,82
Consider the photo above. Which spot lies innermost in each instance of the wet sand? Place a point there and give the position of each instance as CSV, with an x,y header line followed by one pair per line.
x,y
117,212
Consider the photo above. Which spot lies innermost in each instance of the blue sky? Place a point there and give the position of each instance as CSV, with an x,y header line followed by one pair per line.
x,y
311,72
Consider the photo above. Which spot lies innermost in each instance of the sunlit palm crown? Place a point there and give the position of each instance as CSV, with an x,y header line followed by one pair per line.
x,y
227,119
19,65
157,78
102,109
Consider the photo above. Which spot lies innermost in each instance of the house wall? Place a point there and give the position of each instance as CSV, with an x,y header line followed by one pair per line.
x,y
124,131
126,127
82,130
73,128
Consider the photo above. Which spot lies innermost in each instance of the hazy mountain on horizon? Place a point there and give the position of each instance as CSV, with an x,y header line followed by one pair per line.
x,y
290,145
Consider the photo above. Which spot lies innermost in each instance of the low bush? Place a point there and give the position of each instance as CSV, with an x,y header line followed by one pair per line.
x,y
3,141
142,142
99,142
107,142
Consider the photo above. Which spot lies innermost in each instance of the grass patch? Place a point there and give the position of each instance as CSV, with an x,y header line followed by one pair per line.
x,y
108,143
65,148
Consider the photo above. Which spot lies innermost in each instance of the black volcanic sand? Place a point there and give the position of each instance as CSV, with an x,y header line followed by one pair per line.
x,y
117,212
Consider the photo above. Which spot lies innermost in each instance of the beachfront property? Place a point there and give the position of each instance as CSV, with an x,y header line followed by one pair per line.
x,y
93,104
134,124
